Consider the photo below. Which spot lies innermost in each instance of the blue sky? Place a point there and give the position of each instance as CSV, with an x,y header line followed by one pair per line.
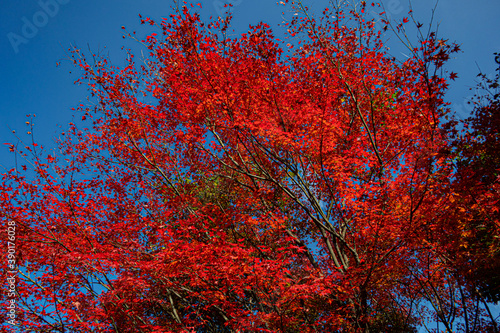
x,y
35,35
32,83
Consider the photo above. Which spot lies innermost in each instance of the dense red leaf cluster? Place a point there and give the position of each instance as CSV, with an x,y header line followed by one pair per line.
x,y
477,189
228,185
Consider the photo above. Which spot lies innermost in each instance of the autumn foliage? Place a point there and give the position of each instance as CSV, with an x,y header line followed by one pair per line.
x,y
252,185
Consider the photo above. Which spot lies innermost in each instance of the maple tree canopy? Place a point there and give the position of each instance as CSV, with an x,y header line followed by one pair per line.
x,y
251,184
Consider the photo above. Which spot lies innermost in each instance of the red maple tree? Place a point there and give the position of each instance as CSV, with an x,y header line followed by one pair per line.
x,y
476,205
230,185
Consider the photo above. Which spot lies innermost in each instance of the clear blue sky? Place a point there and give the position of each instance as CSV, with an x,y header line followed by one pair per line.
x,y
31,82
